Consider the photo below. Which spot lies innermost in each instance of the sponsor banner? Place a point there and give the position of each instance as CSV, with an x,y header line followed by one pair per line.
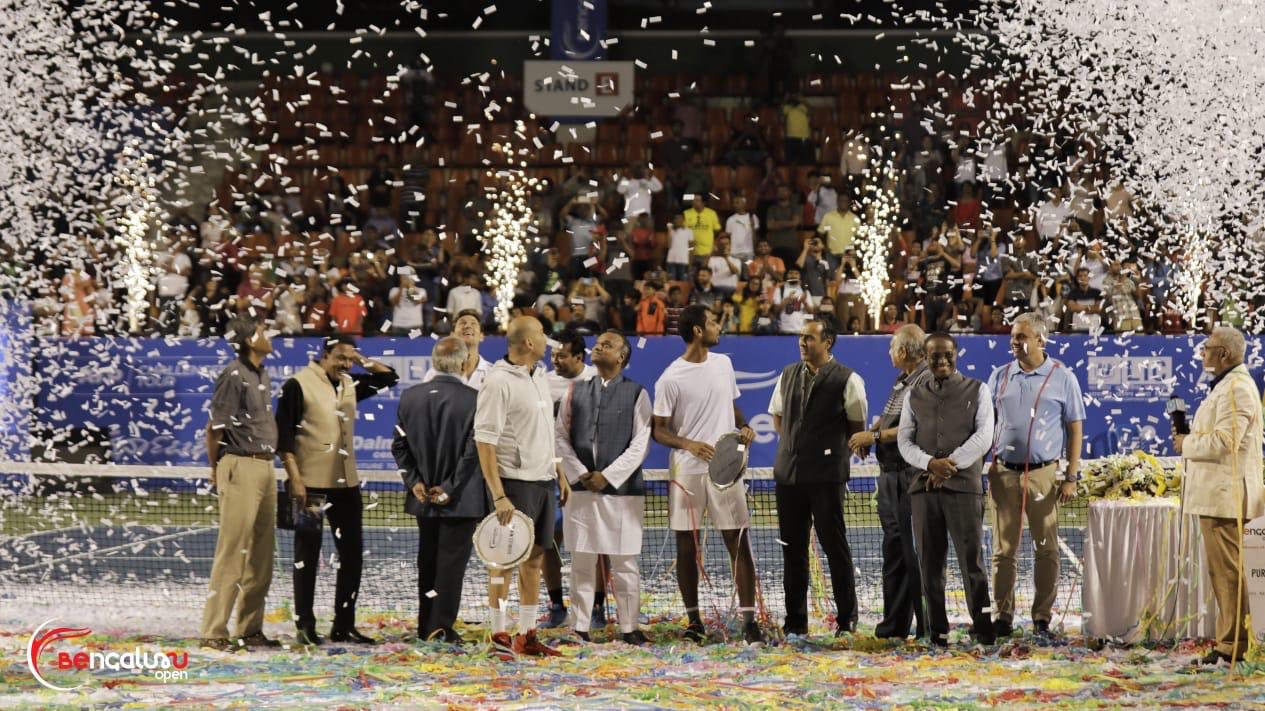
x,y
577,88
578,29
1254,567
151,395
58,664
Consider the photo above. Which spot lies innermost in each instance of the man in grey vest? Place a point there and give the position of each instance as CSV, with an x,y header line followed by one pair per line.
x,y
316,418
602,436
902,585
817,404
434,448
946,428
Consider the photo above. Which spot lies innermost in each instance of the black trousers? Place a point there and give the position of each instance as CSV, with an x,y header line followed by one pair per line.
x,y
344,515
800,507
443,551
902,584
939,516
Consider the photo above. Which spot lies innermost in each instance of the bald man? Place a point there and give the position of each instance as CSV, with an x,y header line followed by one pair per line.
x,y
513,431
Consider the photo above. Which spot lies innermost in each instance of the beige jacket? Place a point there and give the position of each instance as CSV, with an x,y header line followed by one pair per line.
x,y
1222,453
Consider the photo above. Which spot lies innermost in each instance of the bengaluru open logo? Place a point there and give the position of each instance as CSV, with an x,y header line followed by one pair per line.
x,y
164,666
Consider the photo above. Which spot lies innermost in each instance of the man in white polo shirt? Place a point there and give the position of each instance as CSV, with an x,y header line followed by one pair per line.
x,y
513,431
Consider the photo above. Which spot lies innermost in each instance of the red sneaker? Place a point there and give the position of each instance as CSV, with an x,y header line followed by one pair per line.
x,y
503,646
527,644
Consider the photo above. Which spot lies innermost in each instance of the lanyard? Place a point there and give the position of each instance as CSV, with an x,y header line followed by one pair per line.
x,y
1032,417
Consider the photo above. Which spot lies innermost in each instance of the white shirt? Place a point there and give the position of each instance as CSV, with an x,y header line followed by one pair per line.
x,y
514,414
1050,218
854,402
724,275
679,246
970,452
742,228
408,313
699,399
464,297
475,380
637,194
560,384
824,200
793,322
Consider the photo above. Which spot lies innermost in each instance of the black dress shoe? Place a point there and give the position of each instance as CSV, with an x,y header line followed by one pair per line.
x,y
801,630
307,636
1041,628
696,633
584,636
1004,627
350,634
259,640
1214,657
636,638
939,641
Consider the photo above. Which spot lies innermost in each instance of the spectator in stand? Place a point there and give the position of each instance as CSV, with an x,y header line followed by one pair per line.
x,y
1082,306
765,264
551,280
1096,263
288,304
78,293
746,142
798,142
680,246
672,312
966,213
814,268
651,312
767,192
988,271
254,295
580,220
316,318
173,285
382,184
589,297
726,268
625,317
748,302
1121,294
687,112
783,221
705,223
793,304
408,302
1050,215
742,228
695,179
637,190
549,319
822,197
849,303
347,310
704,292
889,320
1019,278
616,264
728,318
839,227
996,324
643,246
465,296
941,272
675,152
766,321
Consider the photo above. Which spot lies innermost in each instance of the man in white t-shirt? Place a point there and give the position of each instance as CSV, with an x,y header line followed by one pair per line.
x,y
695,403
726,268
742,228
793,303
638,190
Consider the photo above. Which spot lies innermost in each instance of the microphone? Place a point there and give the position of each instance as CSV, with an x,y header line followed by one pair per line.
x,y
1176,410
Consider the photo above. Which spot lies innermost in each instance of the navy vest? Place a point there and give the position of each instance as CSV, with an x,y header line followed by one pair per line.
x,y
944,418
602,420
812,445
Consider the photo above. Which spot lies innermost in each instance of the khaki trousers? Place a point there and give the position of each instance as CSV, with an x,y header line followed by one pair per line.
x,y
243,550
1221,547
1041,510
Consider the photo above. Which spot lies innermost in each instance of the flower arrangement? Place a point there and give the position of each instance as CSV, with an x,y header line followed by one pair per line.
x,y
1129,476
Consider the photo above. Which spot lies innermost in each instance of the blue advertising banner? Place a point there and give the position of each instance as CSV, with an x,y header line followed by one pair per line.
x,y
151,395
578,29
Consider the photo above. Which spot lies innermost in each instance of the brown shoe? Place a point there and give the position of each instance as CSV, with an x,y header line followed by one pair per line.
x,y
259,640
528,645
219,644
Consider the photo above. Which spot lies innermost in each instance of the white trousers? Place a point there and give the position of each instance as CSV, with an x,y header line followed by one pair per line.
x,y
626,578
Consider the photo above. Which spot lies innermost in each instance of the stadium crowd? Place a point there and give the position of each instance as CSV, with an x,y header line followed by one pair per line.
x,y
759,221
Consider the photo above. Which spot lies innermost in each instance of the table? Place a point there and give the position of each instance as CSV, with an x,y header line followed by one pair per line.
x,y
1145,574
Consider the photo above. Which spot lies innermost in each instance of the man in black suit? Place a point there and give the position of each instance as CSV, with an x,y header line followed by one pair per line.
x,y
435,452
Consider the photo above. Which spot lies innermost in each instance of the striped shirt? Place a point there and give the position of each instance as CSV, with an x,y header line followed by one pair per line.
x,y
888,453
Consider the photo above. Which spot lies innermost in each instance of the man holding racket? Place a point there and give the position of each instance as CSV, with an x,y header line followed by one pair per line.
x,y
818,403
513,432
1039,416
695,405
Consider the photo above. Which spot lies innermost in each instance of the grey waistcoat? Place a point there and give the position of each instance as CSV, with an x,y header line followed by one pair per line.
x,y
602,427
944,418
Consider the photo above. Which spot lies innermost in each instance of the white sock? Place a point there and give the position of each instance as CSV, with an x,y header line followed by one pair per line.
x,y
526,618
497,619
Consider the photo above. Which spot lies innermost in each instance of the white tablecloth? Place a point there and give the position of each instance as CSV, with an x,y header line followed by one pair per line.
x,y
1145,574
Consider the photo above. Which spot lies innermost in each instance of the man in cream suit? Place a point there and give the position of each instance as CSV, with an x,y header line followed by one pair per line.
x,y
1223,483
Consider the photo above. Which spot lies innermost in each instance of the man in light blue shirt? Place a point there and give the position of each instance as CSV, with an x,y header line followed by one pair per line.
x,y
1039,416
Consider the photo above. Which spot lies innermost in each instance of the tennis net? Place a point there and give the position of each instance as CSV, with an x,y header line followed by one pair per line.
x,y
108,537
